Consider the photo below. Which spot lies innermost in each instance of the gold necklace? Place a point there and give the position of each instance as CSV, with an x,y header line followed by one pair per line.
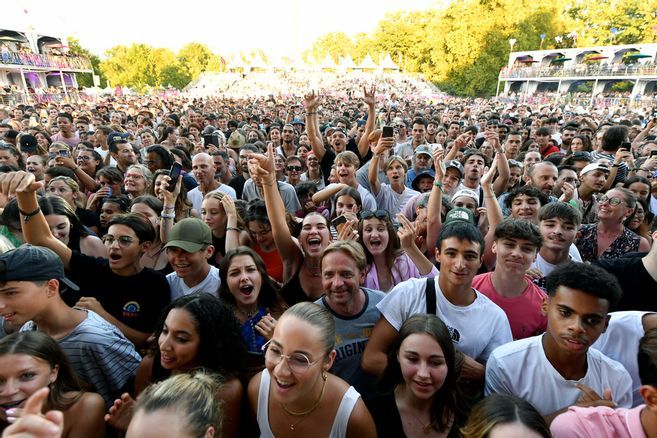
x,y
305,413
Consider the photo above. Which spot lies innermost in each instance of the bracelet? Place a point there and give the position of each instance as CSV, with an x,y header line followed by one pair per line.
x,y
270,184
167,215
169,208
645,170
28,216
573,203
634,169
489,197
76,168
232,229
615,165
311,113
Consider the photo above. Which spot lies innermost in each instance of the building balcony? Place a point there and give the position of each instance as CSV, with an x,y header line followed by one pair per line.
x,y
44,62
579,71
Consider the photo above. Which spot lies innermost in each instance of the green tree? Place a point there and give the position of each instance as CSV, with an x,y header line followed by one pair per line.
x,y
194,59
337,44
86,79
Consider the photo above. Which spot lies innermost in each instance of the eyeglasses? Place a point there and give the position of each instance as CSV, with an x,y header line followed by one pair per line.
x,y
124,241
298,363
368,214
294,168
84,158
613,201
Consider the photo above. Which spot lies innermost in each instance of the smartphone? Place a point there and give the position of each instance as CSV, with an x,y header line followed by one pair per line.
x,y
626,145
64,153
209,139
339,221
174,174
388,132
653,153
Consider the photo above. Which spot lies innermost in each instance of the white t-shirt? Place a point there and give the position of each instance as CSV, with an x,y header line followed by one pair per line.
x,y
521,368
368,201
209,285
476,329
196,197
620,342
547,267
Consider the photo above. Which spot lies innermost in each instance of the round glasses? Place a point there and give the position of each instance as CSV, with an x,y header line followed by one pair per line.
x,y
613,201
298,363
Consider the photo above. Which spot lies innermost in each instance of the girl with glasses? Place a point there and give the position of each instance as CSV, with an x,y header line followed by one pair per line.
x,y
608,237
195,332
295,395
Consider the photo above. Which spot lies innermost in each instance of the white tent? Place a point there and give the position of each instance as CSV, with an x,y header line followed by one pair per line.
x,y
388,64
328,62
347,63
237,63
368,63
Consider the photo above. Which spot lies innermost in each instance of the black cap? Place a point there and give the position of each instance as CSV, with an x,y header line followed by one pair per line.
x,y
32,263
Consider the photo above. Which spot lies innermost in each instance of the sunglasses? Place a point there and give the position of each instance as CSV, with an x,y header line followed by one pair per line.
x,y
294,168
368,214
613,201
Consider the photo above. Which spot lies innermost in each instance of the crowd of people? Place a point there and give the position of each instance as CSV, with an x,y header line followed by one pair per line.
x,y
352,264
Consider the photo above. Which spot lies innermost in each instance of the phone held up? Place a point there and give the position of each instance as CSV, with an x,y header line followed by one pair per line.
x,y
388,132
174,174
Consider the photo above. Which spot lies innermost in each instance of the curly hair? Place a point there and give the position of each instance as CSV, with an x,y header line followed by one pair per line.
x,y
221,348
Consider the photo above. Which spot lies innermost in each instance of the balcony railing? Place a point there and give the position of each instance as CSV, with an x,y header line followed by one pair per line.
x,y
21,97
578,71
45,61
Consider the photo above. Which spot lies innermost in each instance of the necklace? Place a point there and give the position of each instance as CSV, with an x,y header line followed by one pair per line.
x,y
426,428
305,413
247,314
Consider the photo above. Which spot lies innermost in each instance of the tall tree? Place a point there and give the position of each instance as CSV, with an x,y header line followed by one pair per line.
x,y
86,79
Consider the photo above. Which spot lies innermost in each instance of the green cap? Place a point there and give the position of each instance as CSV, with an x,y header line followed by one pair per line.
x,y
459,214
190,234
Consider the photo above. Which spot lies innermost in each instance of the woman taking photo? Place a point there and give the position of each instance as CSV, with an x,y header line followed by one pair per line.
x,y
246,287
608,237
417,393
182,208
32,360
195,332
297,396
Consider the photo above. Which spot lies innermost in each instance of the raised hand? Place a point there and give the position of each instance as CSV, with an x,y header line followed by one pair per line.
x,y
369,97
406,232
262,166
32,423
120,413
18,182
487,179
311,101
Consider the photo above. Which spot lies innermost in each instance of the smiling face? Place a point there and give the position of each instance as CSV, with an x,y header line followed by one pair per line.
x,y
346,172
135,183
341,277
459,261
295,337
60,227
21,375
614,213
375,235
244,281
422,364
315,235
179,341
345,204
514,255
558,234
525,208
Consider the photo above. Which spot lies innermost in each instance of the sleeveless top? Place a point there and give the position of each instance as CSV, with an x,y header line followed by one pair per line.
x,y
587,243
340,422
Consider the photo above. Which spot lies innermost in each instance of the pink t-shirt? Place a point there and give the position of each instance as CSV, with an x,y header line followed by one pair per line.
x,y
598,422
524,312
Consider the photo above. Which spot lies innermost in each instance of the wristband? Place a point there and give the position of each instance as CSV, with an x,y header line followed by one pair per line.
x,y
438,184
169,208
573,203
615,165
167,215
232,229
28,216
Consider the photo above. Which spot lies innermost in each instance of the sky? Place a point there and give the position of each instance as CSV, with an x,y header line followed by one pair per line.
x,y
282,27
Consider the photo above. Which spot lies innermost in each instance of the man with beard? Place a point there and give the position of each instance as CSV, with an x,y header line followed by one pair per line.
x,y
543,176
567,134
288,147
222,172
353,309
512,145
592,180
421,163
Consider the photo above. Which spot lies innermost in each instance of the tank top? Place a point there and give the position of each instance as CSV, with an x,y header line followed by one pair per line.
x,y
340,422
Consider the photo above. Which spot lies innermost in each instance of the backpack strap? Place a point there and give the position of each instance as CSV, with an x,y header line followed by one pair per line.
x,y
430,294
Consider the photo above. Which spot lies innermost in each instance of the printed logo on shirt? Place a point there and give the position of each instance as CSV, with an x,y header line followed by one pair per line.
x,y
454,334
131,309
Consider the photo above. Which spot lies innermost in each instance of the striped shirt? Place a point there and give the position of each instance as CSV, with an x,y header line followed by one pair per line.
x,y
100,354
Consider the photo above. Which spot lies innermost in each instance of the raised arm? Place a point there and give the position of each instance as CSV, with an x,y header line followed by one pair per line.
x,y
406,233
262,166
641,135
35,228
460,142
169,208
87,181
499,186
311,103
435,204
493,210
327,192
370,100
373,171
234,237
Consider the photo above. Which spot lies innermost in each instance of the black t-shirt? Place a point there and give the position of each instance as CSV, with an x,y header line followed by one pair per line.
x,y
329,158
137,301
238,184
639,288
88,218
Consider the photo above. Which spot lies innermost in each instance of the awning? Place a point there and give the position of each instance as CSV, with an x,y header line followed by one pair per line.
x,y
596,58
638,56
561,59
